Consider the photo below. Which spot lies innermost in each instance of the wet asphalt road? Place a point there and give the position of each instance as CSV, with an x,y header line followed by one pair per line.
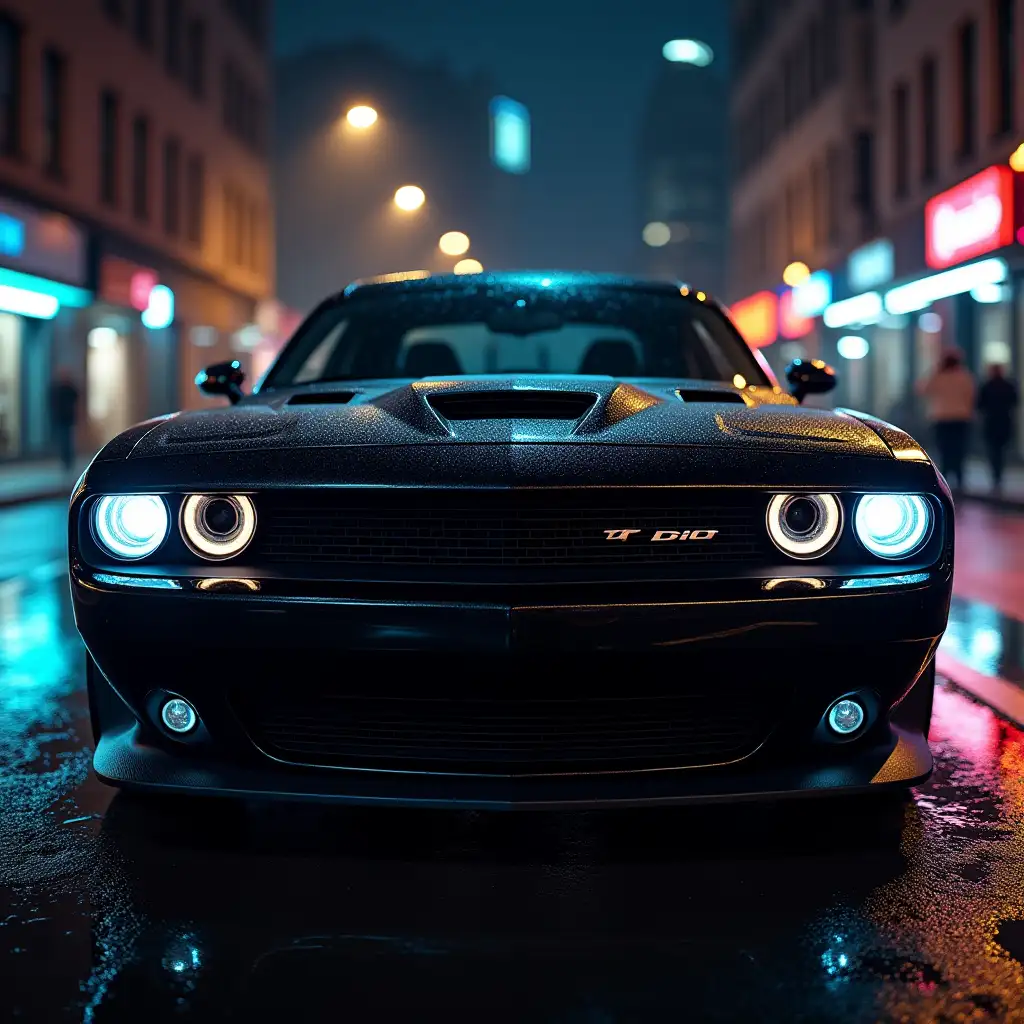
x,y
117,909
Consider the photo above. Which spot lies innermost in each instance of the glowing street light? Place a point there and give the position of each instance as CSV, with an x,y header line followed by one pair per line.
x,y
410,197
454,243
796,273
1017,160
469,267
362,117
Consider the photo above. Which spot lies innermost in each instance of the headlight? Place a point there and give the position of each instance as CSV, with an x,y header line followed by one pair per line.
x,y
805,525
130,526
218,526
893,525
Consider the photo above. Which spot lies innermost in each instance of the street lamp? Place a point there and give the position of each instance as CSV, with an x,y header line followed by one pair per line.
x,y
362,117
410,197
454,243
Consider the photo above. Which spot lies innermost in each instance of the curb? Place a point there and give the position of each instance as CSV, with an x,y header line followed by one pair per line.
x,y
1002,696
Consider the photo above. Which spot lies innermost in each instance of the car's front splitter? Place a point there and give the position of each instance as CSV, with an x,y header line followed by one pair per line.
x,y
123,758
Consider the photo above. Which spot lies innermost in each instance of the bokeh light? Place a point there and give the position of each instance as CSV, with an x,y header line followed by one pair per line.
x,y
688,51
796,273
362,117
454,243
410,197
469,267
657,234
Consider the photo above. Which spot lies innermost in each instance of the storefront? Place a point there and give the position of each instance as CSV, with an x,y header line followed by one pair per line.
x,y
950,276
43,273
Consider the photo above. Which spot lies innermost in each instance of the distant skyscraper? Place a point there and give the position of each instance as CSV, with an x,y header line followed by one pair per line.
x,y
683,169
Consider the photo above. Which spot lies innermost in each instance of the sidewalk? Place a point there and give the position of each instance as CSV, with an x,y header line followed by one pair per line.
x,y
23,482
978,485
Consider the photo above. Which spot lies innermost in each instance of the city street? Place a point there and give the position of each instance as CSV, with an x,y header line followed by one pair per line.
x,y
117,909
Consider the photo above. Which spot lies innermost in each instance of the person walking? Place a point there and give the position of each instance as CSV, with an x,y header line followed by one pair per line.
x,y
63,411
997,401
949,394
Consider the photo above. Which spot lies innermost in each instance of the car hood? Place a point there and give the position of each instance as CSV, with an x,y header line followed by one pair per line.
x,y
504,410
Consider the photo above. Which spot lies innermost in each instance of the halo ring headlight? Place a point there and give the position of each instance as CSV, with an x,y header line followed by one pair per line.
x,y
893,526
805,525
217,526
130,526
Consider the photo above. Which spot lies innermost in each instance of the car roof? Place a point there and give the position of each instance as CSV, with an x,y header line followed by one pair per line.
x,y
424,281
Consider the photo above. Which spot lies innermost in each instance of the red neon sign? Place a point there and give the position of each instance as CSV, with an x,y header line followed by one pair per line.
x,y
757,318
970,219
791,323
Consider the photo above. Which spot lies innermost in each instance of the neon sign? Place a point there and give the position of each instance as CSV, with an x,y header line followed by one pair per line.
x,y
970,219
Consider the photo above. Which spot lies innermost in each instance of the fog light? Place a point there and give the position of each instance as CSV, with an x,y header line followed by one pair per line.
x,y
846,717
179,716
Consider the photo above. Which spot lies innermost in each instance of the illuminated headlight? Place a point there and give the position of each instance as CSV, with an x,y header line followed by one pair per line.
x,y
893,525
805,525
218,526
130,526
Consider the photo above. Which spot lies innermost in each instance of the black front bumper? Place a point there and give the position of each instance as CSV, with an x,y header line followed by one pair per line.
x,y
796,647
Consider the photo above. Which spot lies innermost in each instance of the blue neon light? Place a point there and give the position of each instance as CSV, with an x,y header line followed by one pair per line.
x,y
65,294
12,235
510,135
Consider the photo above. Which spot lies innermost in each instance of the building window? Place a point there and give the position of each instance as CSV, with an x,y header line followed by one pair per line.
x,y
834,162
195,57
967,73
114,9
143,23
929,120
109,116
173,27
172,186
251,16
140,167
10,86
195,188
1003,67
901,140
54,77
242,109
819,204
864,169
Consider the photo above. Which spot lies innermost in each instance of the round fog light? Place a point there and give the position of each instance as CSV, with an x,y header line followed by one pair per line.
x,y
846,717
179,716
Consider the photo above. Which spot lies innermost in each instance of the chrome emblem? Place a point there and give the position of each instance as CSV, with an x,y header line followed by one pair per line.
x,y
661,535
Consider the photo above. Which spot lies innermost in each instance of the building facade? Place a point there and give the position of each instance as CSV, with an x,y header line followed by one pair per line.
x,y
335,183
683,184
914,233
136,226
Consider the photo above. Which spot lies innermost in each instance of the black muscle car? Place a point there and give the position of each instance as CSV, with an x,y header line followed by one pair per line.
x,y
513,540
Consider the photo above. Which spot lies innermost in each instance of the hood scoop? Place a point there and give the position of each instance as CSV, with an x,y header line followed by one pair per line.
x,y
689,395
513,405
322,398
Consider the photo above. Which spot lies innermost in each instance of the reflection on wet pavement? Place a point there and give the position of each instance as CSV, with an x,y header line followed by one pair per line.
x,y
984,639
114,908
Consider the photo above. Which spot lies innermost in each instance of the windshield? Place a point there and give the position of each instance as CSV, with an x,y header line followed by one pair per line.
x,y
450,333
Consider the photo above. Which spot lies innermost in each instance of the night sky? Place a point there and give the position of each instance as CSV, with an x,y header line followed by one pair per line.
x,y
582,68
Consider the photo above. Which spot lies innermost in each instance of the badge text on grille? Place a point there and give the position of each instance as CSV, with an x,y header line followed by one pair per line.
x,y
660,535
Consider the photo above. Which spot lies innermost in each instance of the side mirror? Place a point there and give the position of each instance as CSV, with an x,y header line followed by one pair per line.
x,y
809,377
222,379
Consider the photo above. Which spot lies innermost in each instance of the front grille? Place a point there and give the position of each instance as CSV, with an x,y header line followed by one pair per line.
x,y
509,528
497,731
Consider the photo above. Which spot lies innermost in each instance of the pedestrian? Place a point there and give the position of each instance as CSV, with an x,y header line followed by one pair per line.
x,y
949,394
63,411
997,401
